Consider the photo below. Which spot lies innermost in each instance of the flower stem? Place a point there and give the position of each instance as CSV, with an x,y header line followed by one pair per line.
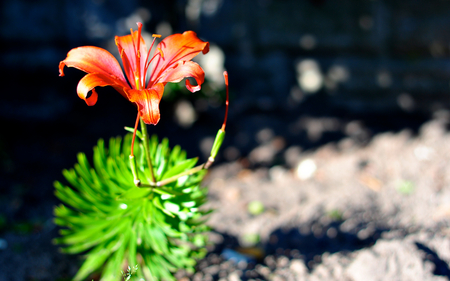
x,y
185,173
147,150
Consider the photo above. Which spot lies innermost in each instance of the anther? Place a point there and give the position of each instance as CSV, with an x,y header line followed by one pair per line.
x,y
161,52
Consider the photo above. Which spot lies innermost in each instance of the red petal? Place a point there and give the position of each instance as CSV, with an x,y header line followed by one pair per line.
x,y
148,102
92,99
95,60
176,48
184,69
92,80
127,46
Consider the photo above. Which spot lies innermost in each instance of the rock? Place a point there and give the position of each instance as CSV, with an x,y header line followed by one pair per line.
x,y
390,260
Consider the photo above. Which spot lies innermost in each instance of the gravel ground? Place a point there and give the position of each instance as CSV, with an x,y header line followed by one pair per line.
x,y
342,212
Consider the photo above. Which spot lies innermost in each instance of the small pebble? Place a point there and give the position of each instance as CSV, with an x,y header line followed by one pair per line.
x,y
298,267
197,276
242,265
278,278
282,262
234,277
213,269
306,169
270,261
223,273
263,270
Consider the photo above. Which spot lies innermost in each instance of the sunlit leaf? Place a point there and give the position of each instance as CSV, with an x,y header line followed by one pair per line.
x,y
105,214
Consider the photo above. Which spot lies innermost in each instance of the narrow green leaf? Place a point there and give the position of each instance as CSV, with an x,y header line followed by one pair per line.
x,y
171,207
158,204
180,167
157,240
173,158
134,193
117,147
131,130
132,248
70,197
83,234
113,266
161,168
163,266
153,144
154,268
93,262
92,238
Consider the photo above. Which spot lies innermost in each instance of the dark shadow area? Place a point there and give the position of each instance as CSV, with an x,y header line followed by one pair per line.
x,y
310,245
308,242
440,266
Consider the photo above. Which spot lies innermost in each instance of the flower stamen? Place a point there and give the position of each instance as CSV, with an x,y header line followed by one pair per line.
x,y
147,62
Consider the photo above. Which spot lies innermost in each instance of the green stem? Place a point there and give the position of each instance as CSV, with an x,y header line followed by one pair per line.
x,y
146,142
174,178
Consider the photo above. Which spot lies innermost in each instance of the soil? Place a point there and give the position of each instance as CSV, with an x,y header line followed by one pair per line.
x,y
374,212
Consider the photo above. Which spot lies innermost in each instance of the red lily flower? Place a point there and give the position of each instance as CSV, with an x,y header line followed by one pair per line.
x,y
146,76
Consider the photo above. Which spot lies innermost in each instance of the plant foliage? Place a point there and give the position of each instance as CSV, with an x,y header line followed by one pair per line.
x,y
116,224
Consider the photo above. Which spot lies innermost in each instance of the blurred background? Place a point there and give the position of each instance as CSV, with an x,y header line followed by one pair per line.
x,y
302,74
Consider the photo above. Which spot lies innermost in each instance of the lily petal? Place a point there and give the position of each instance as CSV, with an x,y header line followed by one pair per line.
x,y
95,60
147,101
92,80
175,48
182,70
127,46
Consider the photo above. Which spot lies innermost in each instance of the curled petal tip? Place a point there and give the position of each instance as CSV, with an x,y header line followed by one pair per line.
x,y
206,48
61,68
192,88
92,99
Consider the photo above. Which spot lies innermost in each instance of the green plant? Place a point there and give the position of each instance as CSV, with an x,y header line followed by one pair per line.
x,y
105,214
255,207
406,187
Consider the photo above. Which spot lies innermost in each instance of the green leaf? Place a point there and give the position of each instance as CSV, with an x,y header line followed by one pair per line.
x,y
132,247
173,158
153,143
92,236
153,268
171,207
158,204
135,193
163,267
180,167
95,259
113,266
131,130
70,197
157,240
